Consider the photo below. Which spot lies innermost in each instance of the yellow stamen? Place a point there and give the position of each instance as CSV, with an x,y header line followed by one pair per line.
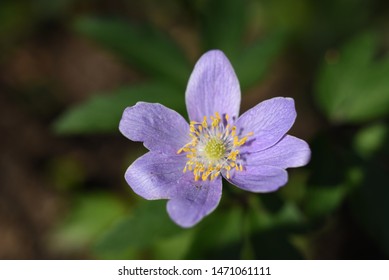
x,y
214,147
204,123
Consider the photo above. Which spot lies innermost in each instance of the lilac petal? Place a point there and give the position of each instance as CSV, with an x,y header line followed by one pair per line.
x,y
213,87
289,152
194,200
155,175
159,128
259,178
270,120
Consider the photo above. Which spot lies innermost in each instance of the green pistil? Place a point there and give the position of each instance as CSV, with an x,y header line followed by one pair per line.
x,y
215,149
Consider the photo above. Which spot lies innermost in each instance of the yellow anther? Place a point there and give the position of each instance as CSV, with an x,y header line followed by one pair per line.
x,y
204,123
241,141
215,121
233,131
214,146
236,140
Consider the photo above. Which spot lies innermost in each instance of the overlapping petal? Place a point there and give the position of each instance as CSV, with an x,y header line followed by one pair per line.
x,y
260,178
159,176
159,128
155,175
213,87
270,120
194,200
288,152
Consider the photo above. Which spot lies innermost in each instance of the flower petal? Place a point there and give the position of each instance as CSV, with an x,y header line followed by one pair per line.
x,y
159,128
270,120
155,175
259,178
289,152
213,87
194,200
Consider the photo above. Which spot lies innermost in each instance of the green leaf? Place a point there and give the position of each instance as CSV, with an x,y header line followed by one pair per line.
x,y
87,220
102,113
148,224
175,247
143,47
333,174
370,139
217,235
354,86
254,61
322,201
223,25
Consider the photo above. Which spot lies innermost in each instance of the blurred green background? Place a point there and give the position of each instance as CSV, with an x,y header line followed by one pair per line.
x,y
68,69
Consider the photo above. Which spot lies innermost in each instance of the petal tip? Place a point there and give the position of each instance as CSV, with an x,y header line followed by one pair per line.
x,y
215,52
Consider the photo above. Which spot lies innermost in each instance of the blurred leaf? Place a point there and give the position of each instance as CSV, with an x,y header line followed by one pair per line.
x,y
16,20
270,232
254,61
102,113
370,139
52,9
352,86
295,190
333,173
143,47
148,224
287,15
287,214
331,158
223,25
369,203
66,172
218,236
327,25
275,244
322,201
88,218
175,247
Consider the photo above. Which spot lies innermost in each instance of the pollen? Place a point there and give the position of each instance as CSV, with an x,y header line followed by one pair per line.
x,y
213,149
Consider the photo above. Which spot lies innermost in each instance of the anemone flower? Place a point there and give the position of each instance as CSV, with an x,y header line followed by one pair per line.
x,y
186,162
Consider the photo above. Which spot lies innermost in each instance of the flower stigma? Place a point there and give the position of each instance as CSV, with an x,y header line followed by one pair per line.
x,y
214,147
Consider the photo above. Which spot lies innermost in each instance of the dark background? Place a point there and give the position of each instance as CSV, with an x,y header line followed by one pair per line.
x,y
68,69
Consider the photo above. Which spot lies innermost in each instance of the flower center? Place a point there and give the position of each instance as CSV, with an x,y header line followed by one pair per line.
x,y
214,147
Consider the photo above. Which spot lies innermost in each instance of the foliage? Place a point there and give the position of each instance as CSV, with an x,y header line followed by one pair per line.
x,y
347,88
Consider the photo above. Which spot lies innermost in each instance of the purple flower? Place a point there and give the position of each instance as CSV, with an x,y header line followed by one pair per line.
x,y
186,162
